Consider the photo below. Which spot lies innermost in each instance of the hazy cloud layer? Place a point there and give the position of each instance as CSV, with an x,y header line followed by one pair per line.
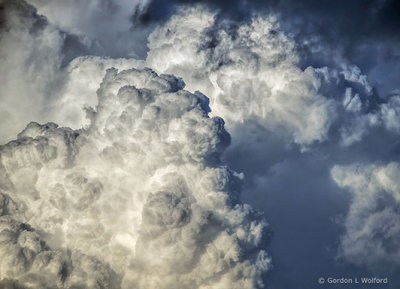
x,y
30,60
104,26
372,224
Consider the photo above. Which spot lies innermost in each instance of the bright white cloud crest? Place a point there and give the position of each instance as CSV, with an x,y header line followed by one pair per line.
x,y
249,75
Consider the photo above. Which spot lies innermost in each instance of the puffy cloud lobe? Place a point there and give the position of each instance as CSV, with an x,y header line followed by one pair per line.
x,y
359,106
139,198
372,223
27,259
249,74
38,82
329,33
83,76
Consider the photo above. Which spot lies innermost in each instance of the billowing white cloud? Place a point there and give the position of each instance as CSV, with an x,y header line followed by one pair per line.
x,y
139,199
82,79
133,194
26,260
35,85
372,223
250,75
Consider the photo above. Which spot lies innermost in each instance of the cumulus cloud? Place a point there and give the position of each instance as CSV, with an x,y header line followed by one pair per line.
x,y
28,262
326,33
250,74
246,82
38,43
135,186
82,78
359,107
138,199
372,223
251,71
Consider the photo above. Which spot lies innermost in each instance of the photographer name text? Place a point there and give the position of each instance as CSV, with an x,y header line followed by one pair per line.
x,y
357,280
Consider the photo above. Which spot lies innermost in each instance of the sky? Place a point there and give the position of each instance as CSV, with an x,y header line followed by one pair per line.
x,y
199,144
